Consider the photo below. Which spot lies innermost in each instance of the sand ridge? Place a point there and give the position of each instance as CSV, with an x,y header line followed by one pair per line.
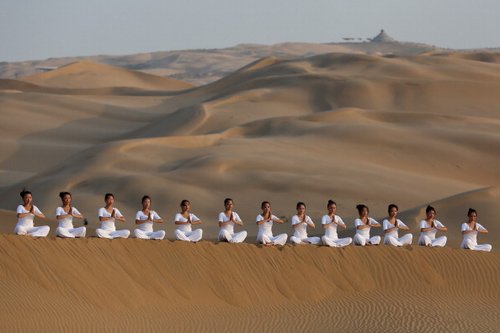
x,y
195,286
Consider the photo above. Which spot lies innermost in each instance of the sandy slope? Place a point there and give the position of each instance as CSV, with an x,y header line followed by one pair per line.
x,y
95,284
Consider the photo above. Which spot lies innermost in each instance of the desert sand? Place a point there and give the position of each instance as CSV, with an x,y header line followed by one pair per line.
x,y
356,128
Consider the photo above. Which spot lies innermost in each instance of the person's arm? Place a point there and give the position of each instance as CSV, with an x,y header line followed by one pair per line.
x,y
236,219
260,220
221,220
340,222
178,221
402,226
373,223
358,223
118,215
424,228
481,229
439,226
195,220
310,222
35,211
154,217
75,213
386,228
61,214
276,219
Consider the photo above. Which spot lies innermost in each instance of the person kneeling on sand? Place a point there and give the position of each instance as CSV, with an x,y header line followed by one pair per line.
x,y
184,220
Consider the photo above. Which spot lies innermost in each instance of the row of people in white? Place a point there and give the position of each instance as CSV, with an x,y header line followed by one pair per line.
x,y
146,217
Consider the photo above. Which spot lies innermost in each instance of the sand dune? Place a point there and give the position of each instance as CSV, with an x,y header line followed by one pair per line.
x,y
357,128
101,285
87,75
207,65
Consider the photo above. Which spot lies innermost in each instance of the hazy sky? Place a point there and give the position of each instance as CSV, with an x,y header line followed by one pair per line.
x,y
36,29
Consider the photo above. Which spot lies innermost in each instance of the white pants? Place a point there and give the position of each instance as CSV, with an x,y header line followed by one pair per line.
x,y
110,234
437,242
71,232
360,240
310,240
476,247
405,240
41,231
274,240
160,234
189,236
339,242
237,237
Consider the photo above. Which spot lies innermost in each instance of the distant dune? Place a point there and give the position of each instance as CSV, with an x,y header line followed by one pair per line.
x,y
207,65
88,75
134,285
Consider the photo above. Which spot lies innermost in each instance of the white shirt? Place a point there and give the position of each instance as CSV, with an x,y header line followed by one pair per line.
x,y
366,231
431,233
148,226
266,228
229,227
26,221
331,229
66,222
472,236
109,224
185,227
388,225
300,231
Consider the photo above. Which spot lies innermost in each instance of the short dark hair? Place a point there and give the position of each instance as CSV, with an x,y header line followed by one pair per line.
x,y
145,197
24,193
107,195
360,208
300,203
183,202
471,210
63,194
331,202
226,201
263,204
391,206
429,209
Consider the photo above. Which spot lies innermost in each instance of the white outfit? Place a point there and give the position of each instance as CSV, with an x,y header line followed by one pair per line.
x,y
300,231
226,232
362,236
428,238
392,238
65,228
331,238
265,234
145,230
184,232
25,224
108,229
470,239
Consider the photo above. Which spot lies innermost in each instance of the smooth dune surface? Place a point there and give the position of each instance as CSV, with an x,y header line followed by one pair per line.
x,y
413,129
